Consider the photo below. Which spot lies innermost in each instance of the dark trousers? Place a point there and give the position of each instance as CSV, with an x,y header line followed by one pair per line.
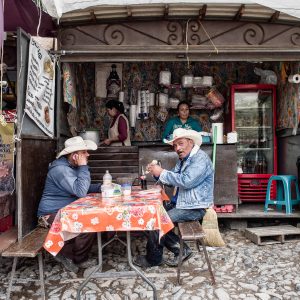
x,y
77,248
170,240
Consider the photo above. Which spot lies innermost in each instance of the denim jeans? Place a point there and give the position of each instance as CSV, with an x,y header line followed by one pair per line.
x,y
170,240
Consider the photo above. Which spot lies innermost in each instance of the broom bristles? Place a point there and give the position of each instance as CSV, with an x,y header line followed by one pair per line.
x,y
211,229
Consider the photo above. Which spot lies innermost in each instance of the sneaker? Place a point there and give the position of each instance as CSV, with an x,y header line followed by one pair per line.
x,y
187,253
142,262
67,263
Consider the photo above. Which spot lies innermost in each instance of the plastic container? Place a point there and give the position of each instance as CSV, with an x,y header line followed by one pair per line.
x,y
126,189
298,168
187,81
107,191
163,100
207,80
112,190
107,179
165,78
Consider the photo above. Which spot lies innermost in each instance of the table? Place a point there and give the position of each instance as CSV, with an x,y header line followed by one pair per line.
x,y
141,211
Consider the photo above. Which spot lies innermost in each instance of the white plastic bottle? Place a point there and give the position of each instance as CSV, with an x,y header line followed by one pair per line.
x,y
107,179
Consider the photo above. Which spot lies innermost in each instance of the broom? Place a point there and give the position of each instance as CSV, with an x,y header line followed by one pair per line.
x,y
210,224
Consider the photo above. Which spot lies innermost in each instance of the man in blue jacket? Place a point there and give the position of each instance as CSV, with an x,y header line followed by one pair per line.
x,y
69,179
193,179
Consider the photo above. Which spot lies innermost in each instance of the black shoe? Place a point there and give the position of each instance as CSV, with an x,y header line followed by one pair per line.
x,y
142,262
67,263
187,253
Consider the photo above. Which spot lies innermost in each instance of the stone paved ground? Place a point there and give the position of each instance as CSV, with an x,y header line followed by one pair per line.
x,y
243,271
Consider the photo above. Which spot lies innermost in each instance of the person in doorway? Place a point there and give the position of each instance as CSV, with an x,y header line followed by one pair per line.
x,y
118,133
193,179
183,120
69,179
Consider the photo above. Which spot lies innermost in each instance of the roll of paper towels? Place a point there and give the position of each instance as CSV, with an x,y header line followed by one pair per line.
x,y
232,137
219,132
132,115
294,78
151,99
121,97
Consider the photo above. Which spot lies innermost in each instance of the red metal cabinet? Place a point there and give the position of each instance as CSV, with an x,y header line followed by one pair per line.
x,y
253,117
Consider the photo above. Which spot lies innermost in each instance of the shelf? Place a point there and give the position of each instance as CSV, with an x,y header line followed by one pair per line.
x,y
202,108
247,108
253,127
179,86
253,149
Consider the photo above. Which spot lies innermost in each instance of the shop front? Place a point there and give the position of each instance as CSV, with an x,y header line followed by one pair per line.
x,y
155,58
228,52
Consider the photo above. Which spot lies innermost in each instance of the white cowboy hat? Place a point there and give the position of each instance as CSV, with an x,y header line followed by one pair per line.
x,y
185,133
77,143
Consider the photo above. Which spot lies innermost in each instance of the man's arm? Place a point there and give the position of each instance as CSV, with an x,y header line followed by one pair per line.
x,y
73,181
190,177
94,188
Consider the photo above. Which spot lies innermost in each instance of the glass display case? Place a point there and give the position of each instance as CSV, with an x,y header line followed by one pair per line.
x,y
254,119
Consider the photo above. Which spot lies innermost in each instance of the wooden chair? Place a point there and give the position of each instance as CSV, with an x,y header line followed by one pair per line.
x,y
192,231
30,246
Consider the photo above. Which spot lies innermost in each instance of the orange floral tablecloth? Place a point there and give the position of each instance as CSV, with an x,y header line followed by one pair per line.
x,y
143,210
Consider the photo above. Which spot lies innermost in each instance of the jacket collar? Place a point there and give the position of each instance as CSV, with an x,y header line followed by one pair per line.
x,y
194,150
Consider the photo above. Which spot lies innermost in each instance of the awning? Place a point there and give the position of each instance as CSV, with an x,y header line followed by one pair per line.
x,y
268,10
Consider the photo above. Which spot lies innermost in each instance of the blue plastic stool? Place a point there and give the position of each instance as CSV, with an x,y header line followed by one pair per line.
x,y
284,192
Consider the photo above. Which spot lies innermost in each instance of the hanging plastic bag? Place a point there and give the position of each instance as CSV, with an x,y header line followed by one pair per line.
x,y
266,76
215,97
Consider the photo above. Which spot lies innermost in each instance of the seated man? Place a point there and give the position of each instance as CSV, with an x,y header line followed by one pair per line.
x,y
69,179
193,179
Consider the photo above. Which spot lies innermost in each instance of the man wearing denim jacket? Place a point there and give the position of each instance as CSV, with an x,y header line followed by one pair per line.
x,y
193,179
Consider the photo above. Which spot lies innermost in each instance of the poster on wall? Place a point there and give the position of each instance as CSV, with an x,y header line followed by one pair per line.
x,y
7,147
39,104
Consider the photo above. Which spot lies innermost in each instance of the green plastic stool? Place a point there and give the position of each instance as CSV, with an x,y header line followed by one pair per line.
x,y
284,192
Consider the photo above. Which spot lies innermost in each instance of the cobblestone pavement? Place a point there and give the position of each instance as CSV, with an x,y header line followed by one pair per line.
x,y
243,271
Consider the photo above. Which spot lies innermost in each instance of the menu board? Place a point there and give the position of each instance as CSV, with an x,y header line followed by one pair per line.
x,y
39,104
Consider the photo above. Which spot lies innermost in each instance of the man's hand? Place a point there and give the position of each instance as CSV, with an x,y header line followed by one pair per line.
x,y
80,159
154,169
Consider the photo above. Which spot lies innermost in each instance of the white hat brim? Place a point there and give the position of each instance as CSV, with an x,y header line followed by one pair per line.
x,y
87,145
196,138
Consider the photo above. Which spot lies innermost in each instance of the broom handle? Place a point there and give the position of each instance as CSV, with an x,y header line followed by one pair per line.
x,y
214,147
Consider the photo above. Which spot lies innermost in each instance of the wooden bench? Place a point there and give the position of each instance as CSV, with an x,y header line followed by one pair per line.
x,y
30,246
192,231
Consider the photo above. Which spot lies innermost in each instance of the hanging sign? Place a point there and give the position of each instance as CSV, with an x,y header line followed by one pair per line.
x,y
7,146
39,104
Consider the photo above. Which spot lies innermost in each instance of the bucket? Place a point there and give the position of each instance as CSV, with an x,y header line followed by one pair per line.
x,y
92,135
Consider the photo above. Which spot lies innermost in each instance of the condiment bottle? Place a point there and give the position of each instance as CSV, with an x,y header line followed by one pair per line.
x,y
143,180
107,179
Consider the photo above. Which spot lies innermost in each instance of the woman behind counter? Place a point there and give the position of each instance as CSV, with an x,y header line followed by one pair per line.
x,y
118,132
183,120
